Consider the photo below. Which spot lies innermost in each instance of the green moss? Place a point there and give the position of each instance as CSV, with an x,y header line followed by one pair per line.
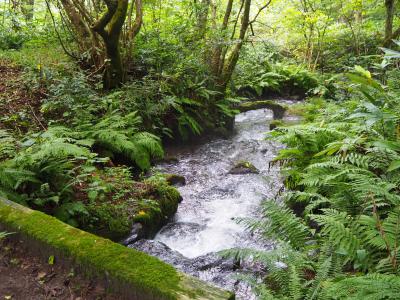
x,y
116,202
174,179
101,254
275,123
153,214
147,275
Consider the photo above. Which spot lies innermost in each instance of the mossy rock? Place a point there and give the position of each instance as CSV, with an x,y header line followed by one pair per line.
x,y
244,167
275,124
277,109
130,273
151,203
153,217
175,179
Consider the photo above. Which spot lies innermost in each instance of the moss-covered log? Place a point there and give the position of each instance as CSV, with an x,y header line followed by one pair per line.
x,y
131,273
277,109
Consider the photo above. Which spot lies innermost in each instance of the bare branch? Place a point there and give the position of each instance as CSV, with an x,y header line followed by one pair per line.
x,y
259,11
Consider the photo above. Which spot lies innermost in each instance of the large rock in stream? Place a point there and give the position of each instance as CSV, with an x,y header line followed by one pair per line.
x,y
244,167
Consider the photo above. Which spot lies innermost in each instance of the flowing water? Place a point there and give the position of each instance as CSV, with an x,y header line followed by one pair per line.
x,y
212,199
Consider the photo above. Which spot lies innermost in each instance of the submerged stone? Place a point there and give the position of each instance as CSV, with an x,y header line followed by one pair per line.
x,y
175,179
244,167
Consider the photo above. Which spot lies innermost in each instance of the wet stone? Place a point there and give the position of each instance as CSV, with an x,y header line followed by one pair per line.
x,y
244,167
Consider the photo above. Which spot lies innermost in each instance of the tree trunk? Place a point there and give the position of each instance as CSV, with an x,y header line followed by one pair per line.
x,y
113,72
109,27
202,17
233,58
27,9
215,62
137,24
390,9
85,38
133,28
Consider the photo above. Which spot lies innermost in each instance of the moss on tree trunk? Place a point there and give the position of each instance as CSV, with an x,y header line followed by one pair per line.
x,y
109,27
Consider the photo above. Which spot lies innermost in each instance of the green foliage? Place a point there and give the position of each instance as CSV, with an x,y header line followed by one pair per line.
x,y
71,99
51,167
281,224
10,39
338,228
372,286
120,136
3,234
7,145
261,76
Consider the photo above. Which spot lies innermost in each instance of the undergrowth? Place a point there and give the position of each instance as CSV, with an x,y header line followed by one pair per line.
x,y
337,226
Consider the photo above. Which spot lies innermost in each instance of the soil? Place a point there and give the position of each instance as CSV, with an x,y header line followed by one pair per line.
x,y
23,277
19,103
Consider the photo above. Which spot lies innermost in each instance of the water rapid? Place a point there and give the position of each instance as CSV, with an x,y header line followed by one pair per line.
x,y
212,201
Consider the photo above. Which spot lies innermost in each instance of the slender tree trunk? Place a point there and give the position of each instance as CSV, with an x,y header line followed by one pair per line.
x,y
133,28
137,24
390,9
86,38
15,7
27,9
215,62
233,58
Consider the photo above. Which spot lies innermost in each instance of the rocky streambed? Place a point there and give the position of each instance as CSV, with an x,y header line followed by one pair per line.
x,y
218,190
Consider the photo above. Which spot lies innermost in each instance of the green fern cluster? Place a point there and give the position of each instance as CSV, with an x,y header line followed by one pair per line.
x,y
342,241
259,74
50,169
7,145
120,136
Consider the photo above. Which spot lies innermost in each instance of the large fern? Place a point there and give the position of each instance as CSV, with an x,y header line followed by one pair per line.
x,y
369,287
7,145
121,136
343,171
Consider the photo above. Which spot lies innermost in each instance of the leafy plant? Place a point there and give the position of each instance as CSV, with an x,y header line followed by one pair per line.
x,y
338,228
120,136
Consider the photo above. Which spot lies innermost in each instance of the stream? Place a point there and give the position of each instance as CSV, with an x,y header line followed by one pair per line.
x,y
212,199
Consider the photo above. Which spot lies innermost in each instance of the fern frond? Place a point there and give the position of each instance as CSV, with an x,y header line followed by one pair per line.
x,y
369,287
281,223
7,145
340,230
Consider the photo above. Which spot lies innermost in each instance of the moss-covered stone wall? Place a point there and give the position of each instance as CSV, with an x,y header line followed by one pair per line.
x,y
131,273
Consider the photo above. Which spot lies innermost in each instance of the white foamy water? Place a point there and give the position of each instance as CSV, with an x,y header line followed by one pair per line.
x,y
212,198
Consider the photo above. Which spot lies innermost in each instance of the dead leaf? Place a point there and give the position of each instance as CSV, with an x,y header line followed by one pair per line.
x,y
41,275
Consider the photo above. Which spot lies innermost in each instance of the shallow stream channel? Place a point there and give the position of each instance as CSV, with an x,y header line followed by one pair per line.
x,y
213,199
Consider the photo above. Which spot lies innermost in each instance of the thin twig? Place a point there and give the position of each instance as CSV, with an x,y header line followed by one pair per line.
x,y
36,118
58,34
259,11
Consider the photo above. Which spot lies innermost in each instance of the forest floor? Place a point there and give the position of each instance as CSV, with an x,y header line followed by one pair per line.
x,y
19,103
23,276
